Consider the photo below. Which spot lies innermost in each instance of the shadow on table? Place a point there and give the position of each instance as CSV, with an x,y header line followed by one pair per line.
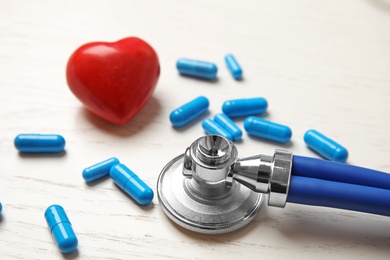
x,y
332,229
43,155
73,255
312,230
144,117
382,5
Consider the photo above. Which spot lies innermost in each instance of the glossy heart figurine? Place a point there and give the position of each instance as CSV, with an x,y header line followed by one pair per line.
x,y
114,80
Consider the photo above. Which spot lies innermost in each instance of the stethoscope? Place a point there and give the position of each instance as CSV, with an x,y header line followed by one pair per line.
x,y
210,189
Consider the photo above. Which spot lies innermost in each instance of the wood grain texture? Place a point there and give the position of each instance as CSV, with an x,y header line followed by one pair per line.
x,y
320,64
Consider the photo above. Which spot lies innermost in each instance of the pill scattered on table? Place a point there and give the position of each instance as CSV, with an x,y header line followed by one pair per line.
x,y
39,143
325,146
61,229
262,128
233,66
244,107
226,123
129,182
197,68
211,127
189,111
99,170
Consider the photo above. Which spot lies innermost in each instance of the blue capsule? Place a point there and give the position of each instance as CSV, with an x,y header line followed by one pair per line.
x,y
196,68
212,128
39,143
1,207
131,184
325,146
266,129
227,124
61,229
99,170
189,111
244,107
233,66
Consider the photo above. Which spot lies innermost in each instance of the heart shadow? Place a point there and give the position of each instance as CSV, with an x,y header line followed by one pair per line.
x,y
147,114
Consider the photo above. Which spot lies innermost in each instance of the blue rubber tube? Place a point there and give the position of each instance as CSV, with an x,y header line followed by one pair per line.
x,y
316,192
339,172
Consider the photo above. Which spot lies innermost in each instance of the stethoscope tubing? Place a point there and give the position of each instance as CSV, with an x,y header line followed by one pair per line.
x,y
339,172
330,184
316,192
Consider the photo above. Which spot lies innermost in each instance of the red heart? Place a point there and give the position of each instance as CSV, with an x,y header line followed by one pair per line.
x,y
114,80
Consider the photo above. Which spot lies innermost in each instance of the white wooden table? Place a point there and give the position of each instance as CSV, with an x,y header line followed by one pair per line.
x,y
320,64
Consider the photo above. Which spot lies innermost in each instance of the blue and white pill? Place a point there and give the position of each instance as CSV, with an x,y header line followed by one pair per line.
x,y
129,182
213,128
197,68
226,123
189,111
268,130
39,143
61,229
325,146
244,107
233,66
99,170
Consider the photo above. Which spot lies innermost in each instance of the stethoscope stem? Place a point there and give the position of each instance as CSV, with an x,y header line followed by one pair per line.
x,y
315,182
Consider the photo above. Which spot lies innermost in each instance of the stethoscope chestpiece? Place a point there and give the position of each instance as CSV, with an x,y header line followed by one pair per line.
x,y
194,192
209,189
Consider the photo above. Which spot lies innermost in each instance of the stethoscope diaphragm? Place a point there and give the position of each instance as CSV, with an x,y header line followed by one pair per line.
x,y
193,191
228,209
